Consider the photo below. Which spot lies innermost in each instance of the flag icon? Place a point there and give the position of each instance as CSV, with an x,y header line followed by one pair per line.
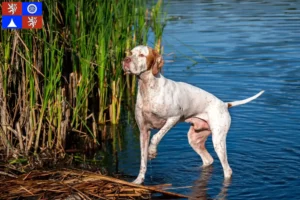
x,y
11,8
32,8
30,22
12,22
19,15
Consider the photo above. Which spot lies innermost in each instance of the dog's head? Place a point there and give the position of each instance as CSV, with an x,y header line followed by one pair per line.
x,y
143,59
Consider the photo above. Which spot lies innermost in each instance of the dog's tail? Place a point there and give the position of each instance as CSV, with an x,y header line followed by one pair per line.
x,y
237,103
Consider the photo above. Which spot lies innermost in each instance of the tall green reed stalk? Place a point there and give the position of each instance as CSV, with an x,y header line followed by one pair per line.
x,y
67,78
158,18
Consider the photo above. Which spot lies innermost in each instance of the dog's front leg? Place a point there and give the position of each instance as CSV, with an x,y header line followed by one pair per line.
x,y
144,142
160,134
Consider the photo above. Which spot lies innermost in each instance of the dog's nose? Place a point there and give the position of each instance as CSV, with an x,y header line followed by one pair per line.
x,y
127,60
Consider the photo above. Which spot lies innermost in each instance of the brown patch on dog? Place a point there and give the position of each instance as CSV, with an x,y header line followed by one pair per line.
x,y
150,59
229,105
154,61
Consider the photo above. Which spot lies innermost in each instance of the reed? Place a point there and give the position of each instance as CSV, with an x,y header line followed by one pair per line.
x,y
67,78
158,18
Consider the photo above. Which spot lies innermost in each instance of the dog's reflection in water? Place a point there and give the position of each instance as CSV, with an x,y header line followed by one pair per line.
x,y
200,188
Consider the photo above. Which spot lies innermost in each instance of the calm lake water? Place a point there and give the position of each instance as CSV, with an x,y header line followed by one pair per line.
x,y
249,46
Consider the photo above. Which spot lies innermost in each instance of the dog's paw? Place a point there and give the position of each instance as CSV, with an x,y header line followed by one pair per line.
x,y
138,181
152,153
228,173
207,162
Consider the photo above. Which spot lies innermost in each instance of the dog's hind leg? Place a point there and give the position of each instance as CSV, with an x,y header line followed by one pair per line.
x,y
197,141
219,125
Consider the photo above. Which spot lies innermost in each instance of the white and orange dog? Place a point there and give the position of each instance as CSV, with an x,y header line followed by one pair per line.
x,y
161,103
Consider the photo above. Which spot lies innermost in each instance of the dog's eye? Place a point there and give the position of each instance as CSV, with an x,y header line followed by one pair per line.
x,y
141,55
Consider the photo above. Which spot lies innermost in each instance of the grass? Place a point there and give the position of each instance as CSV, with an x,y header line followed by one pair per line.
x,y
66,78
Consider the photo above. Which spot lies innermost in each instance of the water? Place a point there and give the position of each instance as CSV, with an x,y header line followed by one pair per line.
x,y
250,45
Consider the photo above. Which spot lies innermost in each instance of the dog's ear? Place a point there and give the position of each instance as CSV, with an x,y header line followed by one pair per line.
x,y
158,62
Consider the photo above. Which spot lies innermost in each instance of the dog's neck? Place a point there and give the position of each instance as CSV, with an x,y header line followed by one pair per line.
x,y
147,77
147,83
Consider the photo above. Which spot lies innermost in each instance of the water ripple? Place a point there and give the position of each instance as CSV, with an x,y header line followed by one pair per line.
x,y
250,45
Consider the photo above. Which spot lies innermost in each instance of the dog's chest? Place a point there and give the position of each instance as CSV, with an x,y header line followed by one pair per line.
x,y
155,104
152,98
154,112
152,117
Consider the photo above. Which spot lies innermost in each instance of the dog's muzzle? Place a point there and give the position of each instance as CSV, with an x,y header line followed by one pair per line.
x,y
126,64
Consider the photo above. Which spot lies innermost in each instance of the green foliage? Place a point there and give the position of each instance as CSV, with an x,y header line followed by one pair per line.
x,y
67,78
